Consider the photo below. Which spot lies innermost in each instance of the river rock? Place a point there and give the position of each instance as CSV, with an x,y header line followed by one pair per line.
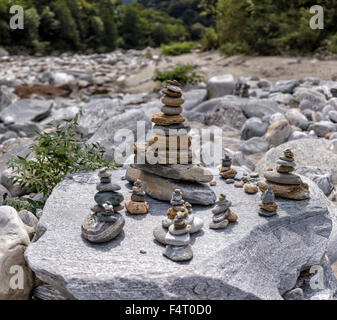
x,y
14,241
278,132
188,172
253,127
254,145
312,96
321,128
255,264
97,112
25,110
220,86
177,254
162,188
284,86
296,118
259,108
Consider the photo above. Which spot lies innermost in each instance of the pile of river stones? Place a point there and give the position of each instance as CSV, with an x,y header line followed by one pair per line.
x,y
284,183
105,222
137,204
222,214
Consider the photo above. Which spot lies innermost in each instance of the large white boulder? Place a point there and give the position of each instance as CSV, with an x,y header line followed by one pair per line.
x,y
14,240
220,86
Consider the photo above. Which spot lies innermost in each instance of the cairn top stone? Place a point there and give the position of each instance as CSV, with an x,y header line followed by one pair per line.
x,y
268,196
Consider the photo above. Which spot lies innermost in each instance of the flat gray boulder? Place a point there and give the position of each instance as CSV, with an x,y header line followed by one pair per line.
x,y
188,172
255,258
26,110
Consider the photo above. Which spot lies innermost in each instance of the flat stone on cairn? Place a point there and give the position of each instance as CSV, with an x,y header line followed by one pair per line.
x,y
137,204
222,214
168,154
104,223
284,183
226,171
268,206
178,239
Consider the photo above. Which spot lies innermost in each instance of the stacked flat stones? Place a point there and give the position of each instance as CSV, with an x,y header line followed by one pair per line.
x,y
178,205
284,183
170,118
168,154
178,239
226,171
251,185
137,204
105,222
222,214
268,206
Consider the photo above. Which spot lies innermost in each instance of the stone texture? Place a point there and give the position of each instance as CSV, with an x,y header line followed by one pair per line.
x,y
188,172
254,145
308,152
105,134
259,258
14,240
321,177
162,188
25,110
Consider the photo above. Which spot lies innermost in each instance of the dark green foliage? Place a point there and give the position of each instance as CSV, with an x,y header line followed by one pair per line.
x,y
89,26
270,26
56,154
184,73
27,204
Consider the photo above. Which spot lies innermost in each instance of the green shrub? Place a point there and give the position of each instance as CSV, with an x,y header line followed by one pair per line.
x,y
209,39
177,49
234,48
27,204
183,73
56,154
333,45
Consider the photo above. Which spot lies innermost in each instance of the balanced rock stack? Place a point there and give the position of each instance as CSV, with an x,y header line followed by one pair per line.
x,y
105,222
226,171
168,155
137,204
284,183
178,205
222,214
178,239
268,206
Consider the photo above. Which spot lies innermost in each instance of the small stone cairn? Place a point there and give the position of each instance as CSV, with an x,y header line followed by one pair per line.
x,y
178,205
284,183
178,239
222,214
170,117
226,171
268,206
251,183
137,204
105,222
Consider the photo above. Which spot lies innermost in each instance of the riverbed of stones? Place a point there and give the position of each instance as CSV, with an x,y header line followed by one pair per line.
x,y
259,118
